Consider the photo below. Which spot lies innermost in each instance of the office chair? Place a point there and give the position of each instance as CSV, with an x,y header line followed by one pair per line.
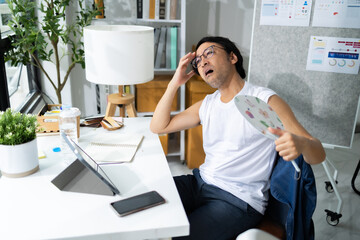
x,y
292,202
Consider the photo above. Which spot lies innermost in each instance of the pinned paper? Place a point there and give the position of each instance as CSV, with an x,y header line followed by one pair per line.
x,y
331,54
342,13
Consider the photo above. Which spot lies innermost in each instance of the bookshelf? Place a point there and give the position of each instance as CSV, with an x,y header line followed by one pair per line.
x,y
177,20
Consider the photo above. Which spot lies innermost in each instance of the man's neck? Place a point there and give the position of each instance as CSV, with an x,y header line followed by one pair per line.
x,y
232,87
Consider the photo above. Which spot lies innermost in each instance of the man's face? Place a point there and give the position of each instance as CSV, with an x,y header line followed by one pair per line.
x,y
214,65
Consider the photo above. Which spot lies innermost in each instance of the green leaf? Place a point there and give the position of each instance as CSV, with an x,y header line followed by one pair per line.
x,y
17,128
33,34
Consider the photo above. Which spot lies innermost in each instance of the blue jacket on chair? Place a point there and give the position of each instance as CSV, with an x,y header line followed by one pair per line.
x,y
297,195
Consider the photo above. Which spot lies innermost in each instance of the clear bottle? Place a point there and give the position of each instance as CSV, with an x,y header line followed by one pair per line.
x,y
68,125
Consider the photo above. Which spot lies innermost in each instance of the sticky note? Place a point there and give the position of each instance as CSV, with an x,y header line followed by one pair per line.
x,y
41,154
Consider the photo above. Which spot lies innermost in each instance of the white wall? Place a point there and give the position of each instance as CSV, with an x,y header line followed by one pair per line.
x,y
51,71
77,92
227,18
82,91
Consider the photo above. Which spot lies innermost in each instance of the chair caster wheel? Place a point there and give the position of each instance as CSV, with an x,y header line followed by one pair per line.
x,y
328,187
332,218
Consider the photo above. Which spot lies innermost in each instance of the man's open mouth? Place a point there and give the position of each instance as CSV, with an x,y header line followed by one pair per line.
x,y
207,72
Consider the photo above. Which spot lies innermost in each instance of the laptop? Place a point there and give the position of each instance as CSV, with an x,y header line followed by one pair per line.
x,y
84,175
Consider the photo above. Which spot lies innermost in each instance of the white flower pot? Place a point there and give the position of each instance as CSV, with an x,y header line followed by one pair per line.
x,y
19,160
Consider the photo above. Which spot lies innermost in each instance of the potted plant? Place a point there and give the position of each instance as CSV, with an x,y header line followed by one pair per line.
x,y
18,145
48,37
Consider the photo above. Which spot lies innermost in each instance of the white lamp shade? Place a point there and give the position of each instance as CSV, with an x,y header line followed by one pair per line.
x,y
119,54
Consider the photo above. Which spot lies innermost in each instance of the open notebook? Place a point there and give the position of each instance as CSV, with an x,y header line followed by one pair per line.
x,y
113,148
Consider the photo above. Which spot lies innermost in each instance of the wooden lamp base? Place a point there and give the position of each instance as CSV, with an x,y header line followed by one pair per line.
x,y
125,101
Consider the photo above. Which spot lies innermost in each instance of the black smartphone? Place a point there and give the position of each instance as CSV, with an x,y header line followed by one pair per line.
x,y
137,203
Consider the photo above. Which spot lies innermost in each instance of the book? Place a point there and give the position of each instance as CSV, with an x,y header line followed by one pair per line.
x,y
173,60
157,9
114,147
162,9
168,49
178,45
156,41
161,48
139,9
173,9
92,122
167,9
151,9
99,6
145,5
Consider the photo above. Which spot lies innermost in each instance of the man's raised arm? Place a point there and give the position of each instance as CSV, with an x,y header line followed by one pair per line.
x,y
162,122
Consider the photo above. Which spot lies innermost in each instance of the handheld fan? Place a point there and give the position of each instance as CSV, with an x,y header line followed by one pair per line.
x,y
261,116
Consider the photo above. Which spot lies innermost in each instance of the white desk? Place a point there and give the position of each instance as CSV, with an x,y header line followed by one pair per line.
x,y
33,208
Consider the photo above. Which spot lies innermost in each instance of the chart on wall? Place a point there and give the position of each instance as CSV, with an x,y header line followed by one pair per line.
x,y
337,13
330,54
314,69
285,12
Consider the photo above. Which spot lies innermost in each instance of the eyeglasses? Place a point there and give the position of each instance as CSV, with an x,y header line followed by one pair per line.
x,y
207,53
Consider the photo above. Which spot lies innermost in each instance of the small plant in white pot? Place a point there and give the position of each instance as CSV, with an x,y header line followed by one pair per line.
x,y
18,145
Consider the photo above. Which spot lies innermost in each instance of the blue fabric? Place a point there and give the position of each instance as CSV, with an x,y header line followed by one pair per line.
x,y
299,195
212,212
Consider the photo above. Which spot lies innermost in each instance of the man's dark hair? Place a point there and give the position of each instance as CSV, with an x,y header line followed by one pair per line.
x,y
229,47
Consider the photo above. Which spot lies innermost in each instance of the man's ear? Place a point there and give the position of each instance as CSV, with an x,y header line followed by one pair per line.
x,y
233,58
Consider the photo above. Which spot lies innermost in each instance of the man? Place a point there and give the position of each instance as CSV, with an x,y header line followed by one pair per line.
x,y
228,194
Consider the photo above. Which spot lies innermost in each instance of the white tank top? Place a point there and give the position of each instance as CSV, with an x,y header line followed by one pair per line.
x,y
239,159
